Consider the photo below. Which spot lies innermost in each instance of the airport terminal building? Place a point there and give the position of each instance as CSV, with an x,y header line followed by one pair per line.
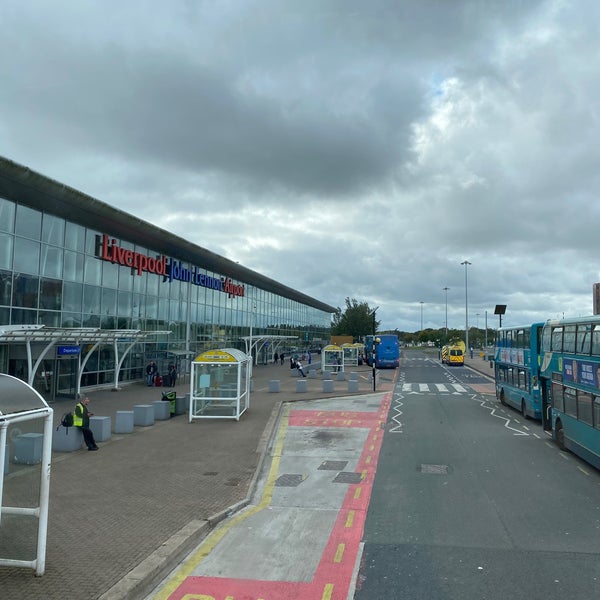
x,y
90,294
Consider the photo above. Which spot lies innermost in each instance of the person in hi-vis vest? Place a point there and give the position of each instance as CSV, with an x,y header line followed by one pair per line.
x,y
81,419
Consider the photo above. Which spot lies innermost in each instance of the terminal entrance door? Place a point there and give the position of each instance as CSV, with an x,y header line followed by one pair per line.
x,y
66,377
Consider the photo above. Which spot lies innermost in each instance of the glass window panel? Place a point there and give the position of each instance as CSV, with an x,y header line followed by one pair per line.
x,y
28,222
50,294
74,237
153,283
557,339
584,407
125,301
109,322
151,307
584,338
109,302
72,296
27,256
91,321
52,261
139,282
49,318
92,239
571,402
4,316
53,230
110,274
22,316
7,215
73,270
597,412
91,299
569,339
596,340
25,291
126,279
6,248
557,397
93,270
5,287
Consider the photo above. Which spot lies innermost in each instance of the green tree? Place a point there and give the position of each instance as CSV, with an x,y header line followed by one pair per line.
x,y
357,319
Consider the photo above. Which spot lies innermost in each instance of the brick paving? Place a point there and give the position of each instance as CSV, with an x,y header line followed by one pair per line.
x,y
110,510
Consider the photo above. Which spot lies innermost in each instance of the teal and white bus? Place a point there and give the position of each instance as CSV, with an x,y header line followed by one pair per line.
x,y
516,371
570,381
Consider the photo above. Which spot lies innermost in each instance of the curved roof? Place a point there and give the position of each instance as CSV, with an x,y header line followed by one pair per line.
x,y
21,184
17,397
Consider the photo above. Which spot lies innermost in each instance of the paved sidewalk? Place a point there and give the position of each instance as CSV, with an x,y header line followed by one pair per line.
x,y
123,517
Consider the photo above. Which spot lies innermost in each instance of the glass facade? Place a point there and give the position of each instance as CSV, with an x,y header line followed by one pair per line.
x,y
51,273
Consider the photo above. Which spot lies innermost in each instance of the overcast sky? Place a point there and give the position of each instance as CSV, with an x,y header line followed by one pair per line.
x,y
344,148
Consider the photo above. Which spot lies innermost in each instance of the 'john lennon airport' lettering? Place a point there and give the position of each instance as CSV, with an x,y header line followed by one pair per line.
x,y
108,249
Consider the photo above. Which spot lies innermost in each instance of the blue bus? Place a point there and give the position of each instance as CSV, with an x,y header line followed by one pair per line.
x,y
387,351
570,378
516,371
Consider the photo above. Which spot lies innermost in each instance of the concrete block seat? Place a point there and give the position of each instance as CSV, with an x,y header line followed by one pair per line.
x,y
66,439
301,385
162,410
124,421
328,385
274,385
101,428
143,415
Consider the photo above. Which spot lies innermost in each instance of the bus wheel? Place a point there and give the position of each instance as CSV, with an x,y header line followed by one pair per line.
x,y
524,409
560,436
502,400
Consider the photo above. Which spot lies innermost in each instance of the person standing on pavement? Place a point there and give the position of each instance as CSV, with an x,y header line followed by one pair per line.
x,y
282,357
172,375
81,419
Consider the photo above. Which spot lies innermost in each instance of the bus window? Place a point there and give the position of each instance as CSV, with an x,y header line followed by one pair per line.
x,y
569,339
546,337
584,407
557,397
557,339
584,339
596,340
571,402
522,379
597,412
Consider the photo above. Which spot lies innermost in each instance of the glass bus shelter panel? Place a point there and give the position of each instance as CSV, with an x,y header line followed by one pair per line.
x,y
220,385
25,455
350,354
332,358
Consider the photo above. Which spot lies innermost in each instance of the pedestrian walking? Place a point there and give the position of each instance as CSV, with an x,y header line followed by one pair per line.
x,y
282,357
276,358
300,369
81,420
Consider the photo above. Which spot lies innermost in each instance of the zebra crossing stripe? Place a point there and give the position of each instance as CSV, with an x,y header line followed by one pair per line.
x,y
444,388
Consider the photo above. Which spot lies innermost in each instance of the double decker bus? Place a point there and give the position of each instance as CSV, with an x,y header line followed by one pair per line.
x,y
570,377
517,363
387,351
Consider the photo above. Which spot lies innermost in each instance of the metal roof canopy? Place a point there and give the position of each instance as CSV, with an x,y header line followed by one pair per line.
x,y
51,336
255,340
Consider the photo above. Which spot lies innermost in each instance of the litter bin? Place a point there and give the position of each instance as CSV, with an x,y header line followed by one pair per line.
x,y
170,397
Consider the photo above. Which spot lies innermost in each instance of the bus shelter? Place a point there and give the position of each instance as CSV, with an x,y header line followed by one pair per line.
x,y
332,358
350,352
25,456
220,384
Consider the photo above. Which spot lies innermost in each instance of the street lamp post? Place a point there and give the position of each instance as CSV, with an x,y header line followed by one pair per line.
x,y
466,263
421,303
374,357
446,290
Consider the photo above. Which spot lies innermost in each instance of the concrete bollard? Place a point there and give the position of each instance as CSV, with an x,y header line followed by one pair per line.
x,y
274,385
301,385
353,385
143,415
328,385
341,376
